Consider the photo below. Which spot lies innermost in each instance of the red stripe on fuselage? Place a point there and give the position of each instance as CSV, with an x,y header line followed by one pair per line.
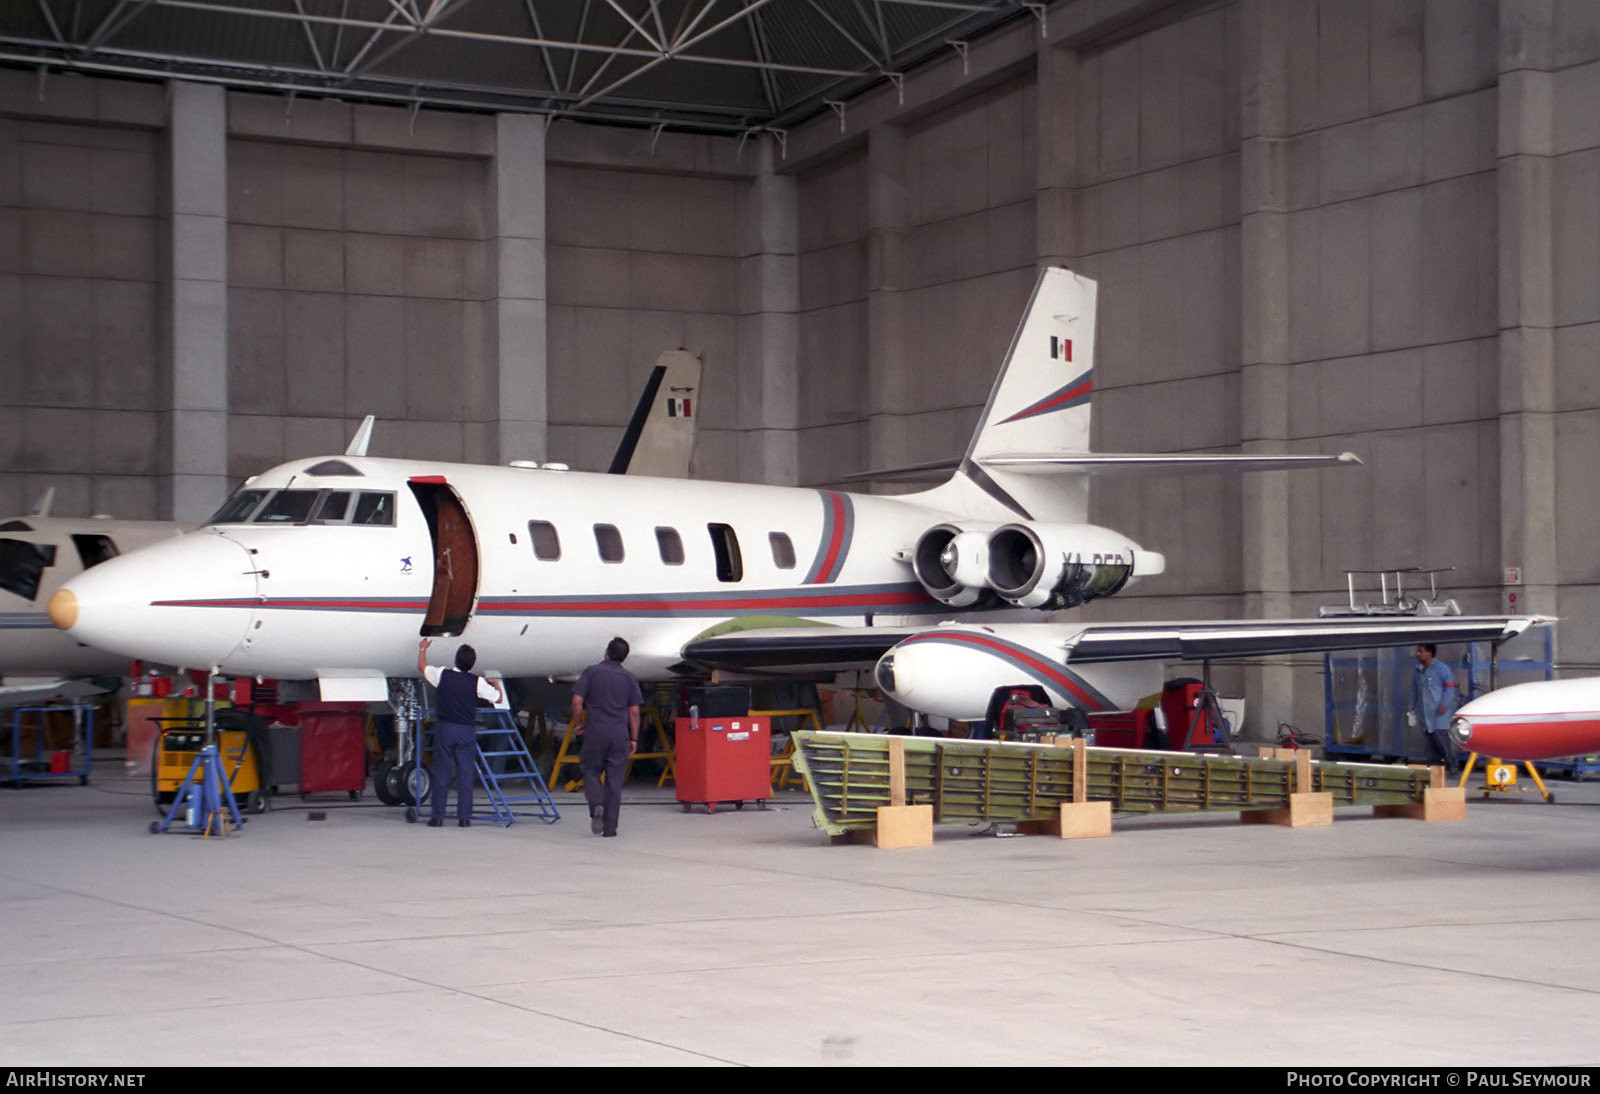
x,y
1532,739
835,537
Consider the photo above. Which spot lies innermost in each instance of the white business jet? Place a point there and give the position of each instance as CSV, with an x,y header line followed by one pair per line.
x,y
39,552
331,568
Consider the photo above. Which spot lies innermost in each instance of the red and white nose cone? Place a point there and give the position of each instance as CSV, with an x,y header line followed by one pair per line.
x,y
184,601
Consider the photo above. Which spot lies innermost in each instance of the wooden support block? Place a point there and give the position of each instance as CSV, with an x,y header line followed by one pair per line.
x,y
1305,810
1080,772
1303,783
1439,803
904,826
897,770
1084,820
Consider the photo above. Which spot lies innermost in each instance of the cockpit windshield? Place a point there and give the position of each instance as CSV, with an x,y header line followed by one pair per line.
x,y
369,507
286,507
22,565
237,509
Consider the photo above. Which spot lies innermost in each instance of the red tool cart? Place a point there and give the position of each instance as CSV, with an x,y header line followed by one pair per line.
x,y
723,758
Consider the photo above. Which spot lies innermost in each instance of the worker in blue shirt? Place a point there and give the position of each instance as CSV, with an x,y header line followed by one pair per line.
x,y
1433,698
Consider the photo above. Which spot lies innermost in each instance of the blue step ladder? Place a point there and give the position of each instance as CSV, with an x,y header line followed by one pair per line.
x,y
506,770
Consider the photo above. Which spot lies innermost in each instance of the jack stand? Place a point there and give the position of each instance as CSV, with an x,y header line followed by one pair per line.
x,y
1500,777
201,798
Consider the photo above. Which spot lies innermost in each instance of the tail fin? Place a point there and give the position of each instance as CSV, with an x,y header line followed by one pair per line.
x,y
659,440
1039,404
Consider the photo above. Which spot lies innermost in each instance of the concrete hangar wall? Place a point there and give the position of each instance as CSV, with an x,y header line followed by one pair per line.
x,y
1317,225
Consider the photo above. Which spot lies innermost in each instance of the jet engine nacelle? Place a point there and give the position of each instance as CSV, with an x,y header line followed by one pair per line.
x,y
953,669
1063,565
952,562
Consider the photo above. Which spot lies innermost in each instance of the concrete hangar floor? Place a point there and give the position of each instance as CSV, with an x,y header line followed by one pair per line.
x,y
744,938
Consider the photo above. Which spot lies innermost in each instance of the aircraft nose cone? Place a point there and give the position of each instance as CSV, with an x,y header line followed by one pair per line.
x,y
63,609
183,601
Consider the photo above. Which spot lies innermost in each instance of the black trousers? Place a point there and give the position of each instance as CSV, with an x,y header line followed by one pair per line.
x,y
1442,749
604,754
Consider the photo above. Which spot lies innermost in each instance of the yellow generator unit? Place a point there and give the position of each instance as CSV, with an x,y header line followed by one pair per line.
x,y
176,749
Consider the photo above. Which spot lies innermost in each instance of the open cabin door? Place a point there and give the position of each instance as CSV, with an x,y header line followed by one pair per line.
x,y
455,557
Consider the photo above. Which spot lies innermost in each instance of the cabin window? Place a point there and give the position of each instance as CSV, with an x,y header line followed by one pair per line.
x,y
287,507
372,508
725,544
237,509
22,565
335,503
671,546
546,544
609,541
782,550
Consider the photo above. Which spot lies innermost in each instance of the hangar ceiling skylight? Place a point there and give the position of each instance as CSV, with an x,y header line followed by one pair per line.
x,y
708,65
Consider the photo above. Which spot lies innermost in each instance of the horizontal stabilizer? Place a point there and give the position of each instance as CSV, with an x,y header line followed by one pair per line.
x,y
1115,463
1163,463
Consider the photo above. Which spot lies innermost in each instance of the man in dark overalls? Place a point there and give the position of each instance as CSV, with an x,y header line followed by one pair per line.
x,y
455,733
611,697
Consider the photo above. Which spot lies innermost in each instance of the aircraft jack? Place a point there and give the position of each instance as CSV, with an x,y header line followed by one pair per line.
x,y
204,798
650,718
1500,777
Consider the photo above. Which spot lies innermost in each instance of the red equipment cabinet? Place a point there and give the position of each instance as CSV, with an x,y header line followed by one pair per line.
x,y
721,759
1179,699
333,748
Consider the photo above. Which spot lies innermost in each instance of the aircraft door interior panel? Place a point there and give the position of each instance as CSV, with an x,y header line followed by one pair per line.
x,y
455,559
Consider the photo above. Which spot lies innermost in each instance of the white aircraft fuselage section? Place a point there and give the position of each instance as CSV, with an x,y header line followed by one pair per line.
x,y
39,554
300,599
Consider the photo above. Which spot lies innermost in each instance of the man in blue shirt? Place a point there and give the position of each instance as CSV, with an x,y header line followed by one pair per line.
x,y
1433,697
455,732
610,697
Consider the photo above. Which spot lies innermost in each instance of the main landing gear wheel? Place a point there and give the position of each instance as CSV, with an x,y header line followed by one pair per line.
x,y
386,782
414,785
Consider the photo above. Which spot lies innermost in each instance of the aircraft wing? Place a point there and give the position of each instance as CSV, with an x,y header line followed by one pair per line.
x,y
777,649
797,649
1202,641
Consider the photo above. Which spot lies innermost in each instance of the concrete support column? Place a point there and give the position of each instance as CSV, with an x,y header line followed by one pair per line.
x,y
518,312
769,328
1527,295
1056,161
1264,341
197,299
887,441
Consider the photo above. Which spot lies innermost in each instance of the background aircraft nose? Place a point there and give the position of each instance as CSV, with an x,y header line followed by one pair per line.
x,y
63,609
183,601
